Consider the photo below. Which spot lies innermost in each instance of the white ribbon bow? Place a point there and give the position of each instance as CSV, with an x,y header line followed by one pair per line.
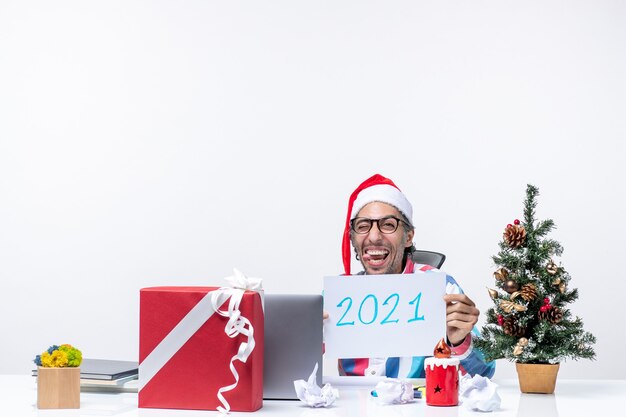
x,y
237,324
239,280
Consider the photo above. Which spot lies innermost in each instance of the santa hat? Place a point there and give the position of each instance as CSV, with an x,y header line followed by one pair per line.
x,y
375,188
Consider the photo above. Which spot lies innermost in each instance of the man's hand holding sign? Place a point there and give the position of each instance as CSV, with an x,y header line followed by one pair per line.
x,y
461,316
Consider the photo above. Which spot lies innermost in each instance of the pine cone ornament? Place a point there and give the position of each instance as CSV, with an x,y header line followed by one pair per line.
x,y
543,314
528,292
553,314
511,328
515,235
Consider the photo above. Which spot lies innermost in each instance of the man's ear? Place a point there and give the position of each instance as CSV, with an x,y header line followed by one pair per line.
x,y
409,239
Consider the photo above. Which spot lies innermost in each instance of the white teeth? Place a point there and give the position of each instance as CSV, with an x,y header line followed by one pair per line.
x,y
377,252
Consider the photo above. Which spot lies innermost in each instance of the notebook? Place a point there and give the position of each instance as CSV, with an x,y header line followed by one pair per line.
x,y
105,369
293,343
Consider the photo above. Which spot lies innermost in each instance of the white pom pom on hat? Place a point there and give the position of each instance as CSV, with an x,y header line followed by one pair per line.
x,y
375,188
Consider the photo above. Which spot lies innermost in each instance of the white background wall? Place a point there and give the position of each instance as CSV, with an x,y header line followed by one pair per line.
x,y
149,143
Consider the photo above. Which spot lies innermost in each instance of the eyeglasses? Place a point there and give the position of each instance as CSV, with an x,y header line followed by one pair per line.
x,y
386,225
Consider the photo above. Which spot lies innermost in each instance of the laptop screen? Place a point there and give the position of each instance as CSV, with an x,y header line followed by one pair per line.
x,y
293,342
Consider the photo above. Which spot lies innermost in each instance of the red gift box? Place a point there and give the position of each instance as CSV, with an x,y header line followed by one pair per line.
x,y
185,357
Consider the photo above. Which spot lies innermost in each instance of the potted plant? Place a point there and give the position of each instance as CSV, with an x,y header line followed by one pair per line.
x,y
529,323
58,377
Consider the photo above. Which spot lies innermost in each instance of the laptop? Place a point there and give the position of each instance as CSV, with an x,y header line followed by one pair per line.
x,y
293,343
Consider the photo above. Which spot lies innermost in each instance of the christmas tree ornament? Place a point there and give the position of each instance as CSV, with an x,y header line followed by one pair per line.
x,y
531,305
511,286
552,268
512,328
492,293
546,306
515,235
519,347
528,292
501,274
555,315
550,313
509,306
543,310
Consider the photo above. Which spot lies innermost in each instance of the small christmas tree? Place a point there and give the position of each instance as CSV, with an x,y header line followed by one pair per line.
x,y
529,322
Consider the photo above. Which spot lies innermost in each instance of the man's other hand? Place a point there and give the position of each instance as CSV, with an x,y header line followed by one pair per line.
x,y
461,316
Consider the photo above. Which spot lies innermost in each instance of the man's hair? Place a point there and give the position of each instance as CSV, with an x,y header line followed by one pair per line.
x,y
407,226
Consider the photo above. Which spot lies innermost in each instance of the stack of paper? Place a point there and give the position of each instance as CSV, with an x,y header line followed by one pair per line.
x,y
107,375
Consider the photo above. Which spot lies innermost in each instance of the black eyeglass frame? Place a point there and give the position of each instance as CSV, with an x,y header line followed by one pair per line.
x,y
371,223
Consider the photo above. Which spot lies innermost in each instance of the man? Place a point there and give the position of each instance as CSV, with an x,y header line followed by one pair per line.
x,y
379,226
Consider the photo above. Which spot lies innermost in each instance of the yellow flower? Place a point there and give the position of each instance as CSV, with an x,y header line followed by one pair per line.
x,y
59,359
46,359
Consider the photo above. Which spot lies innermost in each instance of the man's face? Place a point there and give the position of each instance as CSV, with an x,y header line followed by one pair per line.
x,y
381,253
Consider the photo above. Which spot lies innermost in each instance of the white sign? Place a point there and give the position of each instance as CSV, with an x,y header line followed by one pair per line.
x,y
384,315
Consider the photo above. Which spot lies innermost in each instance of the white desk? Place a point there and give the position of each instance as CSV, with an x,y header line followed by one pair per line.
x,y
595,398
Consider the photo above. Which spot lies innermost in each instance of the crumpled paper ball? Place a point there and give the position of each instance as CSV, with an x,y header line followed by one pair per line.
x,y
478,393
312,395
394,391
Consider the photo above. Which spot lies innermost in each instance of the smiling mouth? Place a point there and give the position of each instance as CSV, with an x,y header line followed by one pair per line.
x,y
375,257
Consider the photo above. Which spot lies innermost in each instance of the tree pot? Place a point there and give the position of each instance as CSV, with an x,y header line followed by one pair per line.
x,y
537,378
58,387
